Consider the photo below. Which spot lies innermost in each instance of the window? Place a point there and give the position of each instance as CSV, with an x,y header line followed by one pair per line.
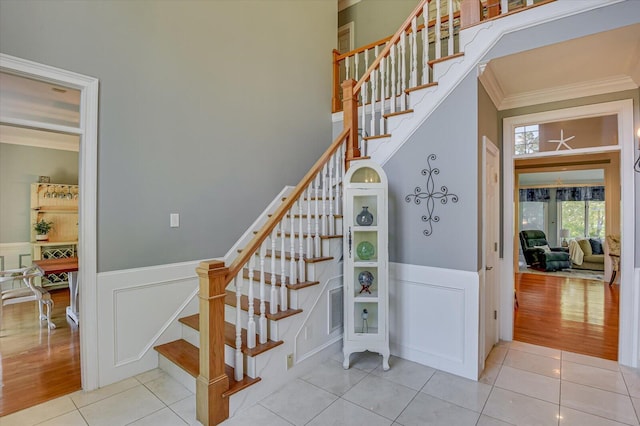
x,y
533,215
527,139
583,218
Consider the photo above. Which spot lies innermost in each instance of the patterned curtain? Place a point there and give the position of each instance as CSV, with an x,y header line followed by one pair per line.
x,y
580,193
535,194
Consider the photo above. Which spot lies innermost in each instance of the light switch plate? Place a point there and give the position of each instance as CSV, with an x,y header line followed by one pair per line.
x,y
174,220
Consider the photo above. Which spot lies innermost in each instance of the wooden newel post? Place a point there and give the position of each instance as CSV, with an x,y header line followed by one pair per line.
x,y
469,12
350,120
335,98
212,382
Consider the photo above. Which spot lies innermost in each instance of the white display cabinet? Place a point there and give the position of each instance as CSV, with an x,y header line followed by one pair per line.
x,y
366,276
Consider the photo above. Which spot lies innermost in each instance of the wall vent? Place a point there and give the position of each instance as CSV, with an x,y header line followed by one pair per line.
x,y
336,309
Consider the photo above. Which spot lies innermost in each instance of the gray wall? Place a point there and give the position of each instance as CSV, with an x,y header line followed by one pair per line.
x,y
207,109
454,241
376,19
20,166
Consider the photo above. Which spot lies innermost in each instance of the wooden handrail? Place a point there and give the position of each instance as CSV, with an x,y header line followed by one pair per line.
x,y
382,41
282,210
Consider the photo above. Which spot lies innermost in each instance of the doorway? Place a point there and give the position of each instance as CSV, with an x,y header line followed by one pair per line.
x,y
621,149
87,200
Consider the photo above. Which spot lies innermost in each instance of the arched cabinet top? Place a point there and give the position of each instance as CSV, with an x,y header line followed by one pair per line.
x,y
365,172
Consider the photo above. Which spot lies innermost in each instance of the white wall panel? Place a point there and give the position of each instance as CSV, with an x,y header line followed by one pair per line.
x,y
138,309
434,317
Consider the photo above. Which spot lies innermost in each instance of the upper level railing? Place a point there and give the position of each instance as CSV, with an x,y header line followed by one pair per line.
x,y
437,37
425,37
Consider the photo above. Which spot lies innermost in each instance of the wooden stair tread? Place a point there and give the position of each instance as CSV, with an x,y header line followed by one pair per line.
x,y
193,321
230,299
230,340
304,215
422,86
268,277
445,58
369,138
183,354
322,237
278,255
187,357
394,114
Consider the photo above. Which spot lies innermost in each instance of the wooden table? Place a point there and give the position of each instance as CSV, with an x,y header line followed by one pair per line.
x,y
70,266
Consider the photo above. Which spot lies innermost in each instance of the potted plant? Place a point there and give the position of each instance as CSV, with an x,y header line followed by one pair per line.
x,y
42,229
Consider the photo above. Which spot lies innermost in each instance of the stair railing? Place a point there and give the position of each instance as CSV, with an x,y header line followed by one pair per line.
x,y
306,215
427,35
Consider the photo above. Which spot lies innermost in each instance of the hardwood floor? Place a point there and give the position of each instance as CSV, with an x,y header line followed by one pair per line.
x,y
37,365
576,315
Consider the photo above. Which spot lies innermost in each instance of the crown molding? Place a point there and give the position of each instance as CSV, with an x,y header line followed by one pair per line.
x,y
39,138
491,84
570,91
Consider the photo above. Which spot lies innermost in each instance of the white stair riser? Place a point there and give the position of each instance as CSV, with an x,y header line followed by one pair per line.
x,y
177,373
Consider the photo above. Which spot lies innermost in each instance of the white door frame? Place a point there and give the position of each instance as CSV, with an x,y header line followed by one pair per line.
x,y
488,147
87,201
629,326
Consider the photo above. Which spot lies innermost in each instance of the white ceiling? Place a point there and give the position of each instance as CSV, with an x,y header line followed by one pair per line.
x,y
37,105
601,63
564,178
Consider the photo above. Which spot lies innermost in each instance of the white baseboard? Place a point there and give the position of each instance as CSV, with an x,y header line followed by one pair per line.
x,y
137,310
434,317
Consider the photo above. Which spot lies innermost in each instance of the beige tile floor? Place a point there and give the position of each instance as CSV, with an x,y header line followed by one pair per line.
x,y
522,385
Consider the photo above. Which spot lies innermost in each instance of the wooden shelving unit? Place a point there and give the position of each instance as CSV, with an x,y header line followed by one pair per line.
x,y
57,203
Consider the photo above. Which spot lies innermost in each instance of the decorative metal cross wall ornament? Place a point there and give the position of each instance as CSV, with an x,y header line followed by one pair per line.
x,y
430,195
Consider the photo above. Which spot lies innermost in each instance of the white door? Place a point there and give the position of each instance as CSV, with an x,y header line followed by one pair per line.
x,y
491,223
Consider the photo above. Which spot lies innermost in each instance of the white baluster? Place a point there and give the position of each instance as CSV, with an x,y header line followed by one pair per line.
x,y
273,296
394,85
374,96
316,238
403,72
504,6
346,68
363,101
451,39
414,52
324,199
383,92
437,34
310,253
284,302
301,262
251,325
239,364
425,44
365,95
336,191
331,183
263,307
356,59
292,247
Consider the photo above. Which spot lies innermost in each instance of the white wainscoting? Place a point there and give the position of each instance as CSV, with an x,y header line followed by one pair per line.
x,y
137,310
434,317
12,252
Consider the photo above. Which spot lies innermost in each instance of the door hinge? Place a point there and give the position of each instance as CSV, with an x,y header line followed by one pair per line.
x,y
495,315
495,246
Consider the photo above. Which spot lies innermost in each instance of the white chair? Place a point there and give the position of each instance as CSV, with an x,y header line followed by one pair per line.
x,y
30,292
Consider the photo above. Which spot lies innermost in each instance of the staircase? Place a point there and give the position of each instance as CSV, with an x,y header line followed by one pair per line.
x,y
258,317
